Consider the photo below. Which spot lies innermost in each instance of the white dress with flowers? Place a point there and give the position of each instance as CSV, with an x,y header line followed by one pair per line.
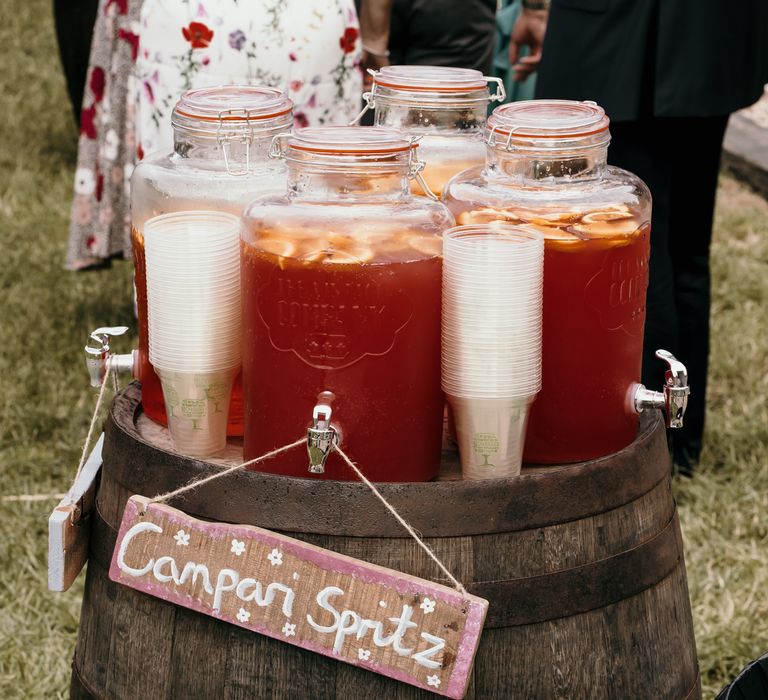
x,y
146,53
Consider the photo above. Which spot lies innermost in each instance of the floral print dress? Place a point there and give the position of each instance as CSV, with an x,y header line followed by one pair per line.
x,y
146,53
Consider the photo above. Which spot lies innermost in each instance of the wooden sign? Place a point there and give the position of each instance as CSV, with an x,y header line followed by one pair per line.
x,y
397,625
69,525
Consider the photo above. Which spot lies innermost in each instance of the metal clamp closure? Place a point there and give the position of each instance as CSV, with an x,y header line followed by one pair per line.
x,y
226,140
369,97
501,94
415,168
278,145
491,139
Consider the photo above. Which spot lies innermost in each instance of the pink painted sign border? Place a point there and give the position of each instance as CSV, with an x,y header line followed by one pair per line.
x,y
324,559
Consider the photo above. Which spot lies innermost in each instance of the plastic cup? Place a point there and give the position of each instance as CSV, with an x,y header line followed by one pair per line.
x,y
522,352
491,342
491,392
490,374
193,292
464,381
490,434
197,404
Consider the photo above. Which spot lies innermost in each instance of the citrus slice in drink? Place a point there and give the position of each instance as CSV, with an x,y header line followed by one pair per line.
x,y
485,215
429,245
614,214
606,228
553,235
358,255
281,247
340,249
553,218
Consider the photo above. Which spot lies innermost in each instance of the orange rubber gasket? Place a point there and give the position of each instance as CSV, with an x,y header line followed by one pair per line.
x,y
336,151
425,88
240,118
519,134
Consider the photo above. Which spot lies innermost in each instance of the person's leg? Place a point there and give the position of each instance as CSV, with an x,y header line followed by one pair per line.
x,y
640,147
694,187
74,29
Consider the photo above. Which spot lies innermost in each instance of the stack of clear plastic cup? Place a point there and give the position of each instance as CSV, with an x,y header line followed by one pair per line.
x,y
491,341
195,322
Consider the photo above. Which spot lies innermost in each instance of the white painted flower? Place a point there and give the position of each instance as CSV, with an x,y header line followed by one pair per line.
x,y
382,603
243,615
427,605
85,181
295,575
434,681
182,538
238,547
275,557
110,146
289,630
363,654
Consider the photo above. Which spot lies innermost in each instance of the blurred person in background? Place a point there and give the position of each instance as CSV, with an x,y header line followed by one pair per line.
x,y
668,73
458,33
74,20
145,53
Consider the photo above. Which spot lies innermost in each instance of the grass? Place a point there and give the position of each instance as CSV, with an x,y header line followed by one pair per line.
x,y
45,403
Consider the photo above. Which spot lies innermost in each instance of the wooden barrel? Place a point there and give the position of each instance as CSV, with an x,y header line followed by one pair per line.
x,y
582,564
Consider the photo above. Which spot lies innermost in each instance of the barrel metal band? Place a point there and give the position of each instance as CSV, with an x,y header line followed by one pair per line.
x,y
527,601
539,498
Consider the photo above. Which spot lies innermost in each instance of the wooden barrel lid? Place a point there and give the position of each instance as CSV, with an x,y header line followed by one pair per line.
x,y
541,496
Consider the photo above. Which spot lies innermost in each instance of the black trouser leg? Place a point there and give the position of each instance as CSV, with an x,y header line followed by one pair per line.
x,y
679,160
694,188
637,147
74,28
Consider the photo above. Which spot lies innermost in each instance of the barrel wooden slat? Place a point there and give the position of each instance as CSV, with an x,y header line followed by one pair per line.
x,y
590,604
543,550
546,496
140,646
187,652
93,639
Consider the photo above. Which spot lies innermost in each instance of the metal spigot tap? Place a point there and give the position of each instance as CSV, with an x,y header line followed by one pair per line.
x,y
321,438
673,399
97,355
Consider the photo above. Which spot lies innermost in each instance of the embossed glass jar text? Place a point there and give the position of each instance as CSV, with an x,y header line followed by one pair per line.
x,y
341,293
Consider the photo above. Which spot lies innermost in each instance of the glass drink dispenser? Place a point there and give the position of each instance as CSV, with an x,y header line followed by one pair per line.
x,y
341,307
219,162
445,107
546,167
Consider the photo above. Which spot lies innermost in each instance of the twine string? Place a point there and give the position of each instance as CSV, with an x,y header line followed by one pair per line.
x,y
196,483
411,531
33,497
94,420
